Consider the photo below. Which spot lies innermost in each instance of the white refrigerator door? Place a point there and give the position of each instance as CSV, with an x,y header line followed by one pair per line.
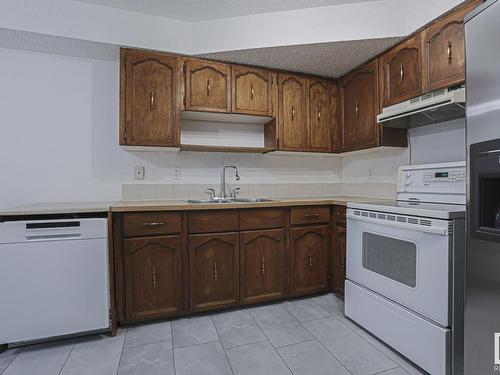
x,y
53,288
409,267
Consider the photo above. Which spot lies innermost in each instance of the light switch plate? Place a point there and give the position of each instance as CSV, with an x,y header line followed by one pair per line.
x,y
139,172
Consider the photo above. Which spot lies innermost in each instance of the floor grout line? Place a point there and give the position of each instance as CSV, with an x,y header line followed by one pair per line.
x,y
148,343
173,353
222,346
66,360
270,343
121,352
199,343
10,363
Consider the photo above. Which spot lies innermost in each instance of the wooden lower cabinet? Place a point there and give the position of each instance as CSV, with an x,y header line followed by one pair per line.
x,y
262,265
153,286
309,259
213,270
339,258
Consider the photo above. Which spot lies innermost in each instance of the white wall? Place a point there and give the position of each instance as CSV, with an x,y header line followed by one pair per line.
x,y
429,144
59,138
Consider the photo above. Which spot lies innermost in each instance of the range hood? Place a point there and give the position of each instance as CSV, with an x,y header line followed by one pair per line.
x,y
438,106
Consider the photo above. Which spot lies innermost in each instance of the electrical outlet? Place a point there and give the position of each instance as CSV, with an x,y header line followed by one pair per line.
x,y
177,173
139,172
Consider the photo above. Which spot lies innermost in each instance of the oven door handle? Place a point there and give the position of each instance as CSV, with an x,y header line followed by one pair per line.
x,y
414,227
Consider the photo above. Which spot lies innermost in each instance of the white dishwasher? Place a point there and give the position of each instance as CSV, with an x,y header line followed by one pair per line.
x,y
54,278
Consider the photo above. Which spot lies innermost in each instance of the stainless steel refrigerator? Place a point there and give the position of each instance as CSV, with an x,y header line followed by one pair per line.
x,y
482,308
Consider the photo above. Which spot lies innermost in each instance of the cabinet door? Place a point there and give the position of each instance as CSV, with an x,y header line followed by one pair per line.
x,y
153,286
214,269
402,72
359,96
443,51
292,112
208,86
339,258
262,265
149,105
308,259
251,91
319,132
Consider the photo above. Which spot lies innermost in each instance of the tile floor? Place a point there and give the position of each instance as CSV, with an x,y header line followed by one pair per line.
x,y
308,336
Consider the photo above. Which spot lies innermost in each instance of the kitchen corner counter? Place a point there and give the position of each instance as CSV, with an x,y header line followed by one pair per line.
x,y
57,208
179,205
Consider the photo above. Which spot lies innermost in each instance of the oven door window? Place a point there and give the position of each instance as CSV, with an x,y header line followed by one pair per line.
x,y
390,257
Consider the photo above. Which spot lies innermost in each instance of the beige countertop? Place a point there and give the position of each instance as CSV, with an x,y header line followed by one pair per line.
x,y
173,205
57,208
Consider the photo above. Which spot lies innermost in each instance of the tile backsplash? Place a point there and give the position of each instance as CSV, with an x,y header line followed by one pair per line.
x,y
139,192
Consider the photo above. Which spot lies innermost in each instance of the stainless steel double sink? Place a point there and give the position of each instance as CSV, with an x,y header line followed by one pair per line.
x,y
228,200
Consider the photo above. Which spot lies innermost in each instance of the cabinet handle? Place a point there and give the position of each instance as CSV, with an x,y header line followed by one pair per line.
x,y
401,74
310,261
215,271
293,113
311,215
356,110
252,92
448,53
319,115
153,224
151,101
154,277
209,87
262,266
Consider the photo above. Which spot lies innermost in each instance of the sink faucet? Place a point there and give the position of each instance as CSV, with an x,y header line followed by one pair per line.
x,y
223,192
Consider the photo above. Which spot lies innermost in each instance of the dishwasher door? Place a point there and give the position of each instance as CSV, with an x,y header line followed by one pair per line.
x,y
54,278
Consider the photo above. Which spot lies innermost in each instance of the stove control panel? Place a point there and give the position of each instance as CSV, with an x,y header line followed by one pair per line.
x,y
417,181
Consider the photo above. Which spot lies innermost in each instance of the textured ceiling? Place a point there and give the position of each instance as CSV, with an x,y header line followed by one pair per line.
x,y
197,10
324,59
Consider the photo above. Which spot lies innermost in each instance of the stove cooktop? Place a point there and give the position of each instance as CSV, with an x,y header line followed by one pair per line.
x,y
421,209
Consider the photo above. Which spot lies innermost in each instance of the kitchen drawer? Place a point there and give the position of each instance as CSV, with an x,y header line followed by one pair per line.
x,y
213,221
151,223
310,215
339,214
266,218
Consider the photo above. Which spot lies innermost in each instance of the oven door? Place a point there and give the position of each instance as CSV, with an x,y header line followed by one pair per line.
x,y
403,258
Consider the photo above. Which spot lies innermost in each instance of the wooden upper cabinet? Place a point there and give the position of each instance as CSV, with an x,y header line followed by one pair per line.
x,y
252,90
401,72
443,51
318,120
335,118
149,105
262,270
292,94
207,86
154,277
360,104
213,270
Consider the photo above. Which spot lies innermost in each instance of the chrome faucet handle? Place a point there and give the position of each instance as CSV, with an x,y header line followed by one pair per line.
x,y
211,192
234,192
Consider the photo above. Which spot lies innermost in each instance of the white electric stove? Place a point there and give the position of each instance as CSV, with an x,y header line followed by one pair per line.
x,y
405,266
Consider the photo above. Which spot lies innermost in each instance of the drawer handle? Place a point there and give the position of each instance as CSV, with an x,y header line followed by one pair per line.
x,y
153,224
262,266
356,110
209,87
402,74
293,113
310,261
252,92
311,215
151,101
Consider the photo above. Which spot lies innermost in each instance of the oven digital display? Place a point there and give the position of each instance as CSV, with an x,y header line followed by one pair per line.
x,y
441,174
